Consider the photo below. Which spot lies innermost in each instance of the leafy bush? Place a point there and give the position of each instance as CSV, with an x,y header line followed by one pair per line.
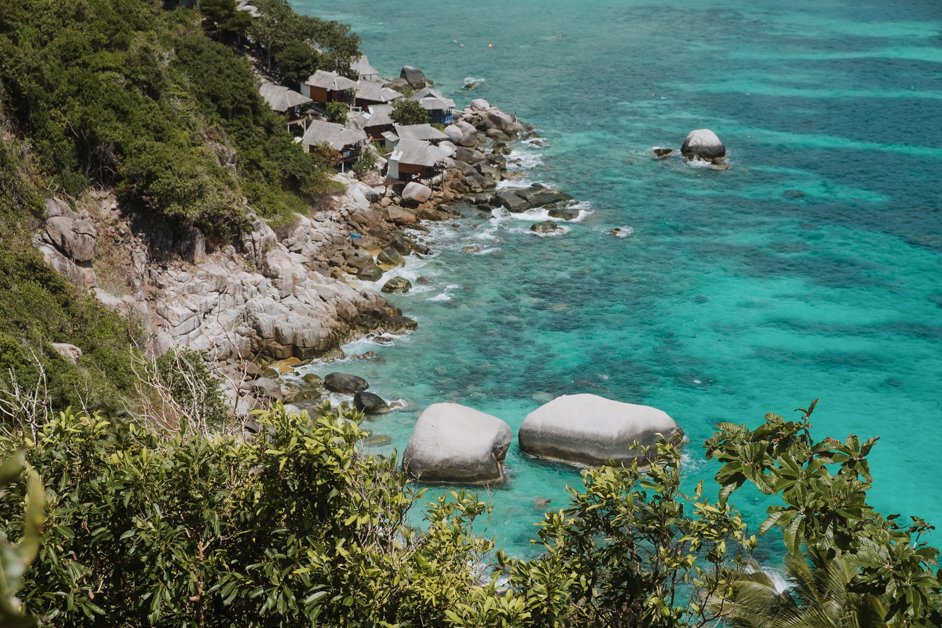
x,y
297,527
365,163
407,111
292,528
336,112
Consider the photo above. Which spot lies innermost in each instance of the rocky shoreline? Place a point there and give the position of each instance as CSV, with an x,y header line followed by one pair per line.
x,y
283,295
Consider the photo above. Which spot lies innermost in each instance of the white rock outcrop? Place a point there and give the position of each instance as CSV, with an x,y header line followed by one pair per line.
x,y
703,144
592,430
456,444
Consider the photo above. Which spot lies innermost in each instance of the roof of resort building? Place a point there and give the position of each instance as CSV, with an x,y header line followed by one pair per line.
x,y
430,103
280,98
432,93
364,69
331,81
418,153
335,135
420,132
375,91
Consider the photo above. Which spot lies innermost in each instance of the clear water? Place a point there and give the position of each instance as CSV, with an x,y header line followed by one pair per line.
x,y
812,268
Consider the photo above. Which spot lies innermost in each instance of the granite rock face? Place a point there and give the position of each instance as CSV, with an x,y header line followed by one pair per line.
x,y
591,430
456,444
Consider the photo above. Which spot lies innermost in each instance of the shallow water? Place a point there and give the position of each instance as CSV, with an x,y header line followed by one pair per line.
x,y
812,268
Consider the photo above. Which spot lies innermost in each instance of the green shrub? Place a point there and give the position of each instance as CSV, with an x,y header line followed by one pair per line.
x,y
365,163
407,111
336,112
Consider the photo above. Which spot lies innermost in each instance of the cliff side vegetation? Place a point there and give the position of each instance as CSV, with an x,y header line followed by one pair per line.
x,y
124,93
39,307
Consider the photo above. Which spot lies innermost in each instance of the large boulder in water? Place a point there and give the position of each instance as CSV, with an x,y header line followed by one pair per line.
x,y
703,144
413,76
592,430
370,404
454,443
345,383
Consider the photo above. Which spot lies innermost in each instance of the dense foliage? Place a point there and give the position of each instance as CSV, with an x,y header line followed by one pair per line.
x,y
407,111
123,93
292,42
296,526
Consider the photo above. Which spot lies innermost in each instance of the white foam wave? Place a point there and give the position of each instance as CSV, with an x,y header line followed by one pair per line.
x,y
446,295
622,232
536,142
524,160
473,82
559,231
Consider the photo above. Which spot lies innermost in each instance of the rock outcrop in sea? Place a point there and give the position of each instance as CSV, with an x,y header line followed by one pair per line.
x,y
703,145
591,430
456,444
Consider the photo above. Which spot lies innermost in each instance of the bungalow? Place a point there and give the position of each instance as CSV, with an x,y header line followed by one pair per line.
x,y
323,87
374,93
440,110
415,158
376,120
421,132
364,70
282,99
344,140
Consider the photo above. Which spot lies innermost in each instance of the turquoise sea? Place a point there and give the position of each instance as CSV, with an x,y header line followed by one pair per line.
x,y
812,268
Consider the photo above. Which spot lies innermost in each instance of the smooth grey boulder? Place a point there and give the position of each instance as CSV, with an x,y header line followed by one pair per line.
x,y
591,430
68,351
454,443
416,192
345,383
413,76
703,144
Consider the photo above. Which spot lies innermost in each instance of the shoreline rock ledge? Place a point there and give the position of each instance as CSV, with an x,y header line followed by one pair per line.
x,y
591,430
452,443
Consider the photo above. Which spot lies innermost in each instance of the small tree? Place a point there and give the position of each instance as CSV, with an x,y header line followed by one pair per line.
x,y
364,163
336,112
407,111
295,62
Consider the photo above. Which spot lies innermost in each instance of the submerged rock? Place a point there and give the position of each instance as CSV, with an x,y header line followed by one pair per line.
x,y
547,226
454,443
662,153
345,383
591,430
703,144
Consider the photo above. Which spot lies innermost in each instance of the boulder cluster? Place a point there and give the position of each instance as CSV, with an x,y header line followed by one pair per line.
x,y
456,444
